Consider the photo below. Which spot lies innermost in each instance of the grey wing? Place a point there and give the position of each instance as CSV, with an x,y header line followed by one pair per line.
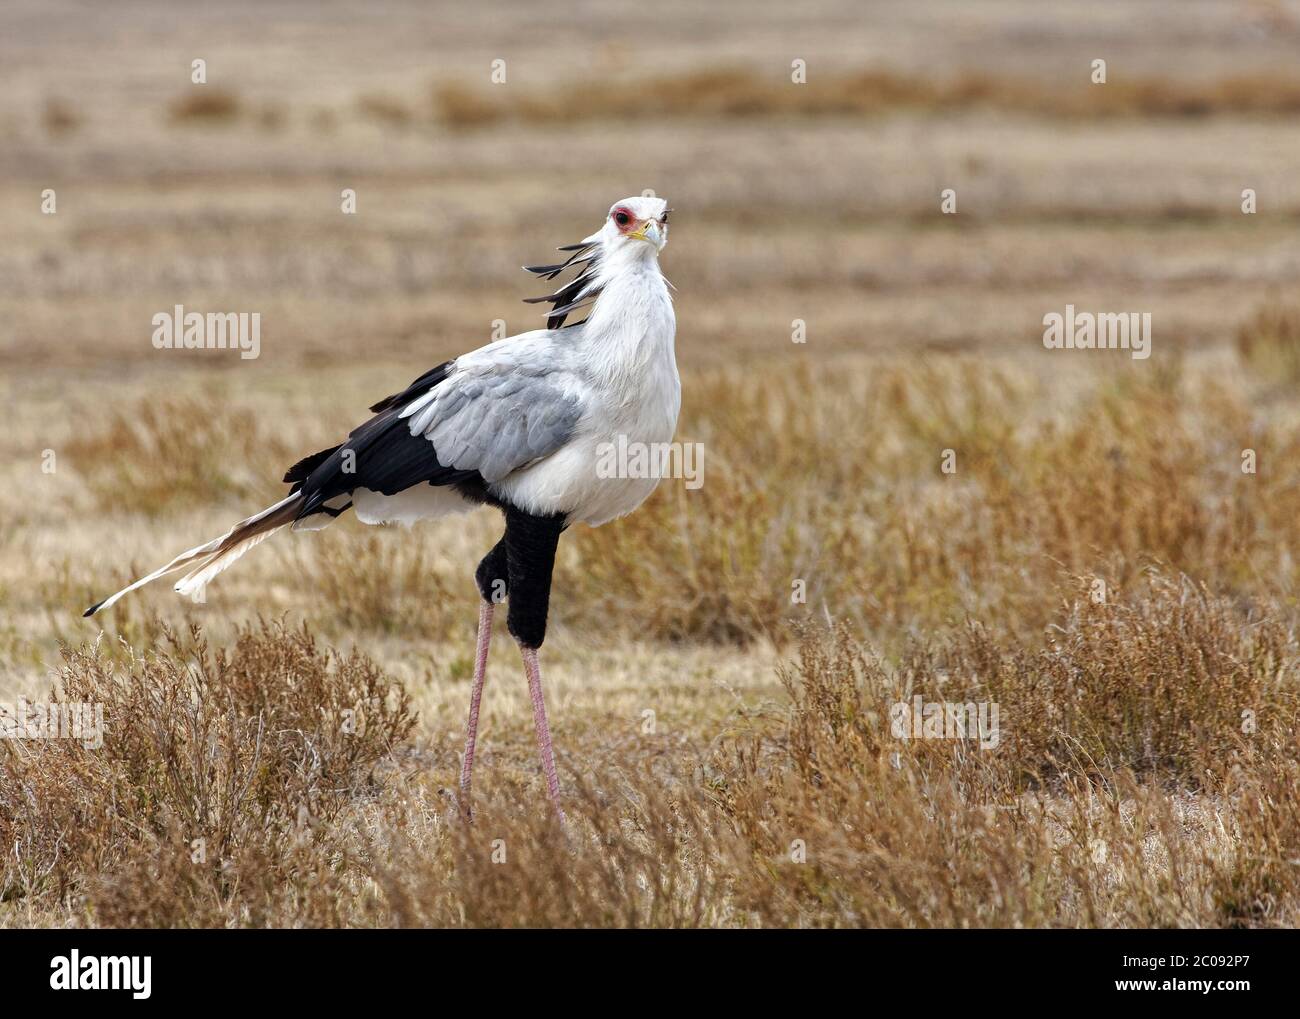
x,y
498,419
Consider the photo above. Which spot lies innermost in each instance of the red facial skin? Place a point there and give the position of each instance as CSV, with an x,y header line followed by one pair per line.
x,y
630,224
631,219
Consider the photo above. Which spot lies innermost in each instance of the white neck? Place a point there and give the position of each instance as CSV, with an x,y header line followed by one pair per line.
x,y
631,325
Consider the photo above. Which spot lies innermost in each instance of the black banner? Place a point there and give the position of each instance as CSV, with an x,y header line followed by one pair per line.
x,y
338,969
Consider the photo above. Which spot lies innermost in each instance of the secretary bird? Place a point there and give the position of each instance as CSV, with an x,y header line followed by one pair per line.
x,y
517,425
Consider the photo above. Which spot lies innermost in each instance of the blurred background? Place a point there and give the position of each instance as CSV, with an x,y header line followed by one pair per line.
x,y
818,201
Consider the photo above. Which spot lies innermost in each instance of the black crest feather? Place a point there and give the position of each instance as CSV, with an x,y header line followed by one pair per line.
x,y
578,293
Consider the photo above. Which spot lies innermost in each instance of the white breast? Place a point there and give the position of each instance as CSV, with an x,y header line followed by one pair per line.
x,y
633,393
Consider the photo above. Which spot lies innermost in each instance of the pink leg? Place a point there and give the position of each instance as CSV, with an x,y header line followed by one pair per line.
x,y
543,728
476,695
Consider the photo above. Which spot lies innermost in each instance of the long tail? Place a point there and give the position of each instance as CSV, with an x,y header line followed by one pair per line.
x,y
210,559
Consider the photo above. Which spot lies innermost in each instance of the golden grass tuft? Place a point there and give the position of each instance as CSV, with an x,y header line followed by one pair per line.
x,y
1162,681
217,772
1269,341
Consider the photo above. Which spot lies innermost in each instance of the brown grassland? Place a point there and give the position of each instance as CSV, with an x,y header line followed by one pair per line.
x,y
1112,562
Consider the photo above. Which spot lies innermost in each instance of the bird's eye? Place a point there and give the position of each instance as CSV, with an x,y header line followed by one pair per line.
x,y
622,218
664,219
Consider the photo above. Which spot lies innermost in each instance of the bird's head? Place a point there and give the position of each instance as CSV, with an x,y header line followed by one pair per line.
x,y
635,229
634,222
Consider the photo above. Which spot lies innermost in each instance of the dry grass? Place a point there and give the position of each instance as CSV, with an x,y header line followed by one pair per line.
x,y
217,770
1147,724
1100,569
1270,342
224,452
385,582
938,833
847,494
813,814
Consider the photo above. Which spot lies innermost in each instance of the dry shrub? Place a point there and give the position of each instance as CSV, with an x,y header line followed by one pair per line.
x,y
205,104
169,454
460,106
742,93
255,752
847,824
1118,795
842,833
1164,682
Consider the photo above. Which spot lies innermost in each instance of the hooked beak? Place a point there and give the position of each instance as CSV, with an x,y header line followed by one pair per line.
x,y
649,231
